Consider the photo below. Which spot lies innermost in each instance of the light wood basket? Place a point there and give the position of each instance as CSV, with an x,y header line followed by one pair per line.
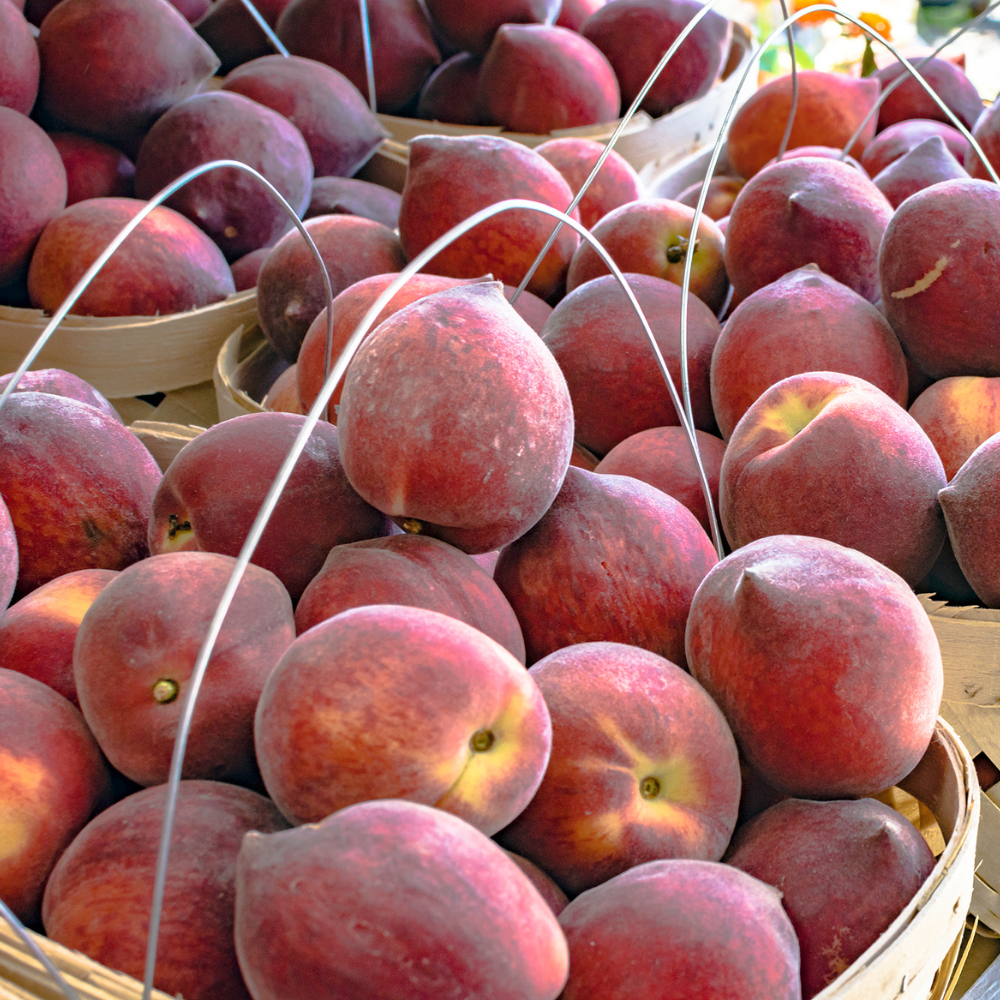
x,y
649,144
129,355
914,959
970,648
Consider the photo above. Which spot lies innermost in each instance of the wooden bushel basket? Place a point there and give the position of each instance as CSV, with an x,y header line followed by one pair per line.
x,y
913,959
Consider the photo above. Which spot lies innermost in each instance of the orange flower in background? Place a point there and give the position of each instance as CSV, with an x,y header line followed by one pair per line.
x,y
879,24
817,17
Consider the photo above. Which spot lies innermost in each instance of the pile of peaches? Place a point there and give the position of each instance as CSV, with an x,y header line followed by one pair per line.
x,y
490,715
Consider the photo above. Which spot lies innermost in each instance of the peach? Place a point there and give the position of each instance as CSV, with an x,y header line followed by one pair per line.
x,y
681,929
616,184
635,34
613,559
661,456
970,511
8,556
927,163
402,46
806,210
643,767
99,898
238,212
387,701
38,632
349,306
823,661
830,108
939,292
451,92
897,139
135,654
825,857
61,383
573,13
290,289
209,497
334,119
987,134
832,456
32,190
94,169
19,63
722,192
548,890
455,419
910,100
53,778
352,196
111,68
166,265
473,27
539,78
414,570
245,269
452,177
958,414
803,321
613,374
653,236
234,35
283,393
460,919
79,487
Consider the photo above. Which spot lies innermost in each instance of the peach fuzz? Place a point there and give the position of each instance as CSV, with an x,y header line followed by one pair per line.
x,y
892,142
825,857
414,570
662,457
614,378
38,632
61,383
132,673
970,510
939,269
643,767
19,65
823,661
803,321
209,498
613,559
830,108
616,183
928,163
462,918
452,177
99,898
53,778
451,393
78,485
807,210
958,414
354,712
681,929
833,456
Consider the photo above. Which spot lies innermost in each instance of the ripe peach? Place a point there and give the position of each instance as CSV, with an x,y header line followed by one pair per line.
x,y
99,898
927,163
823,661
643,766
894,141
135,654
461,917
911,100
833,456
53,778
455,419
94,169
387,701
613,559
473,26
415,570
